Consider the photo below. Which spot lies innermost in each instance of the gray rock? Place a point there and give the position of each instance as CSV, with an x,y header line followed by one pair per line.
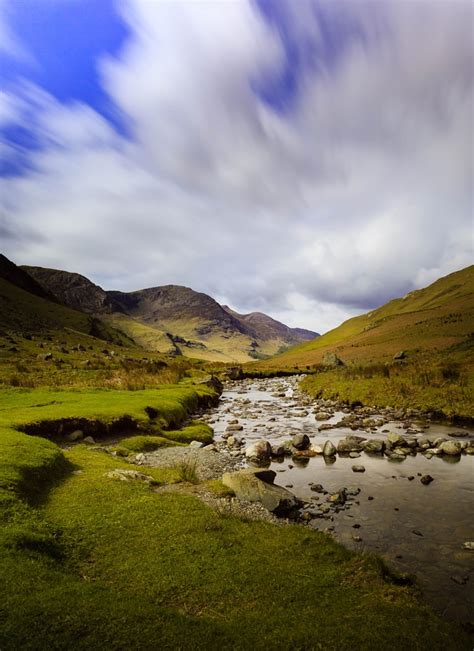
x,y
329,450
350,444
400,355
469,546
254,485
395,440
199,444
77,435
128,475
331,359
322,415
89,439
358,468
374,446
426,479
451,448
259,451
300,441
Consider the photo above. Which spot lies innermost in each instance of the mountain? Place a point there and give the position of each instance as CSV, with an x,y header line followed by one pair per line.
x,y
17,276
28,308
436,318
72,289
174,319
268,328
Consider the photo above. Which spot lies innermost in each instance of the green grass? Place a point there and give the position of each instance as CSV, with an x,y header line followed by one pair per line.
x,y
439,384
165,407
92,562
116,565
431,319
145,443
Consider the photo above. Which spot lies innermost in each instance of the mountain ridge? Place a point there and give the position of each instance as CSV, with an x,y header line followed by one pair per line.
x,y
174,318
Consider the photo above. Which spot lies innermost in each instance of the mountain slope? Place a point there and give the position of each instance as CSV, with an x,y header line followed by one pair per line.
x,y
28,309
431,319
73,290
267,328
175,319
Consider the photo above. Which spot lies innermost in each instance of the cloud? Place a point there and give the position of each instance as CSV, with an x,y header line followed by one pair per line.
x,y
352,188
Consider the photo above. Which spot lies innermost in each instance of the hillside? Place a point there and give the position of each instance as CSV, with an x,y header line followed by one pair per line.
x,y
433,319
73,290
30,318
174,319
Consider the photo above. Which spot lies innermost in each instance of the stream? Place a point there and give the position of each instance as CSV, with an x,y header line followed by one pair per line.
x,y
419,529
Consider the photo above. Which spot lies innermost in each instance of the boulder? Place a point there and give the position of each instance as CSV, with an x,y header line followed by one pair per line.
x,y
452,448
395,440
300,441
350,444
77,435
253,485
400,355
322,415
278,450
259,451
329,450
374,446
129,475
331,359
426,479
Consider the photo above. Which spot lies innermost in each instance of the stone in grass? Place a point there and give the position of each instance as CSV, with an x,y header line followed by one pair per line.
x,y
426,479
77,435
358,468
255,485
129,475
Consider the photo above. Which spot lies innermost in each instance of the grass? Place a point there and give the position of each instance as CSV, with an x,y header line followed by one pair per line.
x,y
115,565
432,384
432,319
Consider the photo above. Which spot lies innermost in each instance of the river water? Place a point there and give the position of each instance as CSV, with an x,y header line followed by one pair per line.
x,y
419,529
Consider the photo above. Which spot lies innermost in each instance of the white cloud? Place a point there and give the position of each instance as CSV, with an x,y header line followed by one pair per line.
x,y
358,193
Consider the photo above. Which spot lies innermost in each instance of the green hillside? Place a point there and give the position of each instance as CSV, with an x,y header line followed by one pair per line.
x,y
431,319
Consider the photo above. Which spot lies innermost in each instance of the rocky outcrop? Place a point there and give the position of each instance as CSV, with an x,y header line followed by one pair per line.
x,y
253,485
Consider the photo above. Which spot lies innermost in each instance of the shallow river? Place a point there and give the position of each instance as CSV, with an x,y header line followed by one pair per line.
x,y
441,513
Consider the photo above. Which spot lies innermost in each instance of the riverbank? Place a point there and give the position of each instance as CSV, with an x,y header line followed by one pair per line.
x,y
386,507
99,552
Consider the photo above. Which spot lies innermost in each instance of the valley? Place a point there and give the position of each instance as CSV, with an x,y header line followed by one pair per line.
x,y
127,420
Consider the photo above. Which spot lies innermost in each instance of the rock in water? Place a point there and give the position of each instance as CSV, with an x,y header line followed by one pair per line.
x,y
329,449
426,479
374,446
451,448
255,485
350,444
258,452
358,469
300,441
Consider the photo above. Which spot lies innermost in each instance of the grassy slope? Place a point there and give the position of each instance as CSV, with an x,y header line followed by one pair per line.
x,y
433,318
108,564
219,348
23,312
434,326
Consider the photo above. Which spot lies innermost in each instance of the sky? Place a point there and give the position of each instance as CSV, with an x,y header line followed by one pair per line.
x,y
310,159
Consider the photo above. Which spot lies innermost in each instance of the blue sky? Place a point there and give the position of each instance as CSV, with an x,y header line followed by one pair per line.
x,y
289,145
